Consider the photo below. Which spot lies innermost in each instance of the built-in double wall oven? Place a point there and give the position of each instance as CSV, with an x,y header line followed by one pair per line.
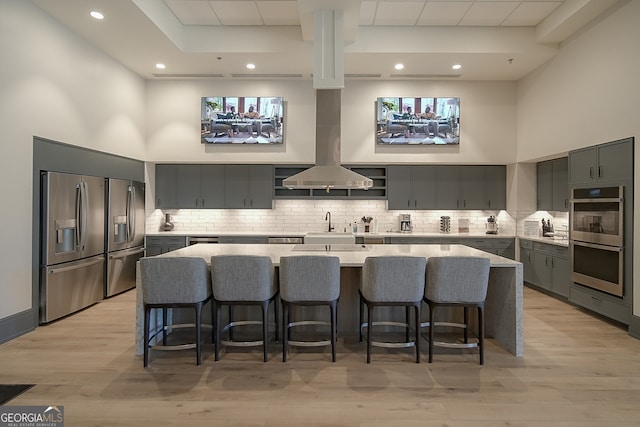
x,y
596,230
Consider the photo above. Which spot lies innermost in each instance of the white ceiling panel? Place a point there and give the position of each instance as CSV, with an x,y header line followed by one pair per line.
x,y
443,13
530,13
237,12
398,13
193,12
489,13
279,12
367,12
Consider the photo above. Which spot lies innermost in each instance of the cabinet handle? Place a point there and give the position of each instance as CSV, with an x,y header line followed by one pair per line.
x,y
159,204
546,261
464,203
457,203
553,263
489,204
196,203
415,203
591,172
408,203
599,171
566,203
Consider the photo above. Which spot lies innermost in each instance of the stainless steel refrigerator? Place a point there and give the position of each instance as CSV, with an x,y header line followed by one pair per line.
x,y
125,231
72,267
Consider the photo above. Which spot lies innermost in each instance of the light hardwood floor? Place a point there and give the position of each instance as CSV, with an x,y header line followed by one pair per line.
x,y
578,370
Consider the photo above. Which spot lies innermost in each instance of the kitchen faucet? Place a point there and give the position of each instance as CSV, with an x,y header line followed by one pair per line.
x,y
328,217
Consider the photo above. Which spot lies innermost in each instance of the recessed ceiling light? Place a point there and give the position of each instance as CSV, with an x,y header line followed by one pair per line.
x,y
399,66
97,15
251,66
456,66
160,66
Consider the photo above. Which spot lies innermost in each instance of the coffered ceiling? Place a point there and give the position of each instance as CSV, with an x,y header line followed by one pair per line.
x,y
492,40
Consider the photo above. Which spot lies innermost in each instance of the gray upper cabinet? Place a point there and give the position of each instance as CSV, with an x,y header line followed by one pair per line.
x,y
166,187
200,186
248,186
495,187
460,187
544,181
607,162
560,184
553,185
411,187
214,186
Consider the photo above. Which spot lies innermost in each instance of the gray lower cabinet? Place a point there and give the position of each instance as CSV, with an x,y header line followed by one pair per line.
x,y
546,266
411,187
606,162
156,245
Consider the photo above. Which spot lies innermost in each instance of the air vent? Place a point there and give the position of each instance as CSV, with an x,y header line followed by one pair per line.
x,y
189,75
267,76
362,76
425,76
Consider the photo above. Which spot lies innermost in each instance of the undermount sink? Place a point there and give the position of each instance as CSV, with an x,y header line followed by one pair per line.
x,y
329,238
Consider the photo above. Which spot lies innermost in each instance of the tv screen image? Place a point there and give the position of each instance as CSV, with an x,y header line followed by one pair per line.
x,y
417,121
241,120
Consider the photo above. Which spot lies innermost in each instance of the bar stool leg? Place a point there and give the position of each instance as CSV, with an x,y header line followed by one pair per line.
x,y
334,329
369,331
265,328
147,314
285,330
417,326
198,308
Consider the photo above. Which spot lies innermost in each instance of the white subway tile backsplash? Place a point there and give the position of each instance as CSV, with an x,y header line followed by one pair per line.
x,y
308,215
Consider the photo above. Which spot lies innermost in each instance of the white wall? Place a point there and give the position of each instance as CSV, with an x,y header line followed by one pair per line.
x,y
566,104
488,122
55,86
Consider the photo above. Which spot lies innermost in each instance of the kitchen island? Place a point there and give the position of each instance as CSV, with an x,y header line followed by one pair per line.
x,y
504,304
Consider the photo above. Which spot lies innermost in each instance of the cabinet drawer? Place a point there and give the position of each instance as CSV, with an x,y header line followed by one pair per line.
x,y
593,301
554,250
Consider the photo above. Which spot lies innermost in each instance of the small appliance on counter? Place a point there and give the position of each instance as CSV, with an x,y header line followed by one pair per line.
x,y
405,223
492,225
445,224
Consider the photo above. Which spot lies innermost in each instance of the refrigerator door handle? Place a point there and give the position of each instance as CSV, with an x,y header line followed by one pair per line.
x,y
75,267
131,214
84,204
123,254
78,233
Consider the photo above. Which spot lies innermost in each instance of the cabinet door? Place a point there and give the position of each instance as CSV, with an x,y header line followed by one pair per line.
x,y
212,186
560,184
495,187
166,187
542,270
236,187
582,166
448,187
260,187
399,188
544,182
188,186
423,187
472,187
615,161
560,276
526,258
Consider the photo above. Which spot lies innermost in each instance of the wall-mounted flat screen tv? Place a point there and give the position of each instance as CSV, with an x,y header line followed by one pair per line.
x,y
418,121
242,120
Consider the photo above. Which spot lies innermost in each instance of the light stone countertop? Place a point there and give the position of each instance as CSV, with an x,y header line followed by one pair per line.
x,y
194,233
548,240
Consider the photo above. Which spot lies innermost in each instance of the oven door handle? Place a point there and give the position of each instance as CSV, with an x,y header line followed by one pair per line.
x,y
598,200
596,246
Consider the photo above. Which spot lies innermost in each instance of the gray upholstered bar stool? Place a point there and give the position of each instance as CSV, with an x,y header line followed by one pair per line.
x,y
392,281
309,281
458,282
243,280
180,282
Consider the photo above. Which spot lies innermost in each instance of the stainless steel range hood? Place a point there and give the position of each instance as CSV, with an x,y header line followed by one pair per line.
x,y
329,76
327,173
